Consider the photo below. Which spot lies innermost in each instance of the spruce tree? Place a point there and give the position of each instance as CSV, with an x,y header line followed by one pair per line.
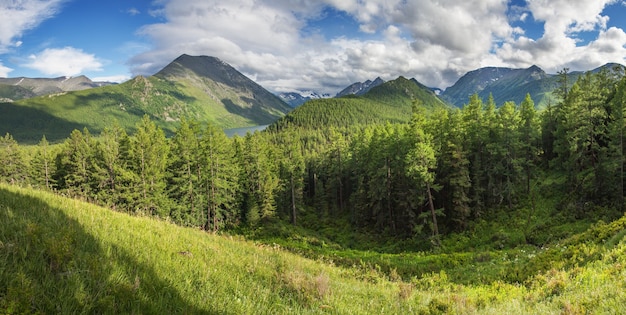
x,y
218,178
421,162
184,175
12,166
149,152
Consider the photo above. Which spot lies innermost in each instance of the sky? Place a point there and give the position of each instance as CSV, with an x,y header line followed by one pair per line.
x,y
308,45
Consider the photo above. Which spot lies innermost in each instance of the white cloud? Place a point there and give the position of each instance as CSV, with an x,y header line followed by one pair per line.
x,y
4,71
22,15
433,41
560,45
66,61
133,11
112,78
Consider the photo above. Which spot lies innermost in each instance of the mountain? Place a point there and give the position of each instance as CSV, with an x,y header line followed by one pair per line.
x,y
360,88
226,89
389,102
12,89
295,99
505,84
200,88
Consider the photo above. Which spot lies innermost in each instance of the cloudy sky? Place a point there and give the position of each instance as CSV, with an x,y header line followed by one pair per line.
x,y
323,45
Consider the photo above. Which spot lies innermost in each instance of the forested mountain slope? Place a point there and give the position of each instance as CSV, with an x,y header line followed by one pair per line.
x,y
387,102
507,84
199,88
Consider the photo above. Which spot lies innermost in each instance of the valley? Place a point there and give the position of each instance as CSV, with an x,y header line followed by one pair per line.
x,y
131,197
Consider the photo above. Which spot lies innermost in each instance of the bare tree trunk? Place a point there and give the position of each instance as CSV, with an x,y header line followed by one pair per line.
x,y
432,211
293,201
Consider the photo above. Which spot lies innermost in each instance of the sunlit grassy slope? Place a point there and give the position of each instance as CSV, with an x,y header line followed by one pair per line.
x,y
59,255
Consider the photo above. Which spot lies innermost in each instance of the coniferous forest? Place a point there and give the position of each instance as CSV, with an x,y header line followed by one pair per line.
x,y
416,180
489,208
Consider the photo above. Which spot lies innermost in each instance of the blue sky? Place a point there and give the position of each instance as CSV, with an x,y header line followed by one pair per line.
x,y
289,45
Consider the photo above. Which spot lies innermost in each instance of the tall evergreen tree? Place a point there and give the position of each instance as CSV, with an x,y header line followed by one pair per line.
x,y
475,135
452,167
421,162
149,152
75,164
184,175
218,178
12,166
529,139
260,179
508,165
109,166
293,167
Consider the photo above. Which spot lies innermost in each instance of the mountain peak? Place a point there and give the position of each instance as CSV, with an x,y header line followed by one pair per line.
x,y
204,66
360,88
234,91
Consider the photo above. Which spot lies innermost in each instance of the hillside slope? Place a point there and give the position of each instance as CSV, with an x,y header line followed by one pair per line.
x,y
200,88
57,256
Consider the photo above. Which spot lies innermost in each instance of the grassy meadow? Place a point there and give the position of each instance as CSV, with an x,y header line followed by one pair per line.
x,y
60,255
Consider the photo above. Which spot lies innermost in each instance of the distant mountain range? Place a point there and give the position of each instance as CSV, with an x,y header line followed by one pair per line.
x,y
507,84
13,89
207,89
360,88
504,84
295,99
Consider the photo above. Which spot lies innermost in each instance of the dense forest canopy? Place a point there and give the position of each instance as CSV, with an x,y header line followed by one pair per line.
x,y
418,179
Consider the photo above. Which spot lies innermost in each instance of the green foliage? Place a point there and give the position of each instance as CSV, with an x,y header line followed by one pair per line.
x,y
12,166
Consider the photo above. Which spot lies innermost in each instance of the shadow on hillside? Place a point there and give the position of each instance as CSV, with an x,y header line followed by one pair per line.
x,y
114,103
52,265
28,125
255,113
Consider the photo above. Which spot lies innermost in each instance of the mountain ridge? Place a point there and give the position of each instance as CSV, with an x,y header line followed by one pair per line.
x,y
199,88
360,88
510,84
12,89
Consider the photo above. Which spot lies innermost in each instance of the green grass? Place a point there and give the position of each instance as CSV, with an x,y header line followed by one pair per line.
x,y
59,255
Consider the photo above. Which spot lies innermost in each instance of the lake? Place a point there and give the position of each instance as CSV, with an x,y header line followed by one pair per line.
x,y
242,131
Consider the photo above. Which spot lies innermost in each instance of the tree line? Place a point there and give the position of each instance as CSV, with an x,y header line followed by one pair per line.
x,y
429,176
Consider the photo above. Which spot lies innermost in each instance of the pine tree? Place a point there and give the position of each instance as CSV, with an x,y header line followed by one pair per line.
x,y
420,161
12,166
616,152
260,178
109,165
184,175
475,135
219,178
293,167
149,152
529,139
75,164
452,167
507,160
42,165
